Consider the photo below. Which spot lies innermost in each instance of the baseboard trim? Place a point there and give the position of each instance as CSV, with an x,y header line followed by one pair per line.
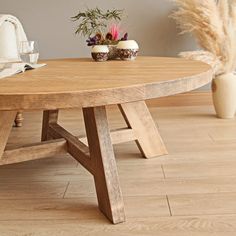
x,y
185,99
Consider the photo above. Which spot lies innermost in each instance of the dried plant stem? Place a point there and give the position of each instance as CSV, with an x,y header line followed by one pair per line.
x,y
213,23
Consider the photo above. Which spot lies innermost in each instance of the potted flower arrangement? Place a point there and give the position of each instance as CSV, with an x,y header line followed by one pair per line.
x,y
213,23
103,31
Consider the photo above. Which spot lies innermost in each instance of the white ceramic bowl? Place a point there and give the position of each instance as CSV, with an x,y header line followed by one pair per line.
x,y
100,53
100,48
128,44
128,50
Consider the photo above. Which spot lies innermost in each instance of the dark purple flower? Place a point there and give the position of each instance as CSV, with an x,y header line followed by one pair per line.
x,y
91,41
109,36
125,37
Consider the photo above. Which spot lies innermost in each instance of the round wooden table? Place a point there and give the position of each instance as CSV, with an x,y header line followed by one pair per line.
x,y
82,83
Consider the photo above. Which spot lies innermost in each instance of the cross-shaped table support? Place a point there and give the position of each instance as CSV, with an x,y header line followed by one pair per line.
x,y
98,156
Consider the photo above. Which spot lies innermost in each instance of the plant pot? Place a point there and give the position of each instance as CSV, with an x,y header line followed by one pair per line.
x,y
100,53
224,95
127,50
113,54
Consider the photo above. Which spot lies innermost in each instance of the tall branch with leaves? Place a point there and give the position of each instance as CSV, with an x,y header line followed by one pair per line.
x,y
93,21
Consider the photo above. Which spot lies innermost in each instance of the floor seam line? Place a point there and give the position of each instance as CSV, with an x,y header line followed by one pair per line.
x,y
66,190
163,172
168,203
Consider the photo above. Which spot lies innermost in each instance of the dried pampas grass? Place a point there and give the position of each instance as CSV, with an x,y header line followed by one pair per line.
x,y
213,23
206,57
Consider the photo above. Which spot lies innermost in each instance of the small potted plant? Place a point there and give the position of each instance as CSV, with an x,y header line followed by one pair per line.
x,y
101,28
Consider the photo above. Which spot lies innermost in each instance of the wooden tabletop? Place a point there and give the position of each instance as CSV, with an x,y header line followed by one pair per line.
x,y
83,83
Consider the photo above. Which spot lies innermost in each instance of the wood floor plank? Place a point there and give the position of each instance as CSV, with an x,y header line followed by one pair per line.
x,y
195,170
149,206
147,187
57,162
81,188
49,209
203,204
78,208
140,171
196,157
35,190
225,133
49,173
180,186
190,146
199,185
42,175
127,154
180,131
130,187
164,226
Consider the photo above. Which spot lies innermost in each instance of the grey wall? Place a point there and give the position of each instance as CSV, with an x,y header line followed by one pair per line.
x,y
48,22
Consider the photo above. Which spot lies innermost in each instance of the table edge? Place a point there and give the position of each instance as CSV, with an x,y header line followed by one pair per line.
x,y
109,96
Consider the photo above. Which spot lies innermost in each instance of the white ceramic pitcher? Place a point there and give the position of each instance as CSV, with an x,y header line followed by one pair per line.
x,y
8,42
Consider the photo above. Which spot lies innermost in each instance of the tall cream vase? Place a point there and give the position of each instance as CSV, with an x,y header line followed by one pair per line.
x,y
224,95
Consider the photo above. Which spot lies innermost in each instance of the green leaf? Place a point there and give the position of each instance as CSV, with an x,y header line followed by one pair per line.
x,y
92,21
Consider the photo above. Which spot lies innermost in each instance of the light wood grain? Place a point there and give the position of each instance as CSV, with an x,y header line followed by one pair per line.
x,y
105,171
49,117
195,204
33,192
176,186
121,135
36,190
74,83
98,159
220,134
200,169
164,226
19,119
6,122
40,172
76,148
138,80
34,151
138,118
80,208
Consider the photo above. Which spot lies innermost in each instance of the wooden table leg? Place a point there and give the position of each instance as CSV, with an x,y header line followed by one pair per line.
x,y
138,117
6,121
49,117
19,119
105,171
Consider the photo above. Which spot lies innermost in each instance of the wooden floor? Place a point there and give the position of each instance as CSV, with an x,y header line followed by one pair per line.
x,y
190,192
